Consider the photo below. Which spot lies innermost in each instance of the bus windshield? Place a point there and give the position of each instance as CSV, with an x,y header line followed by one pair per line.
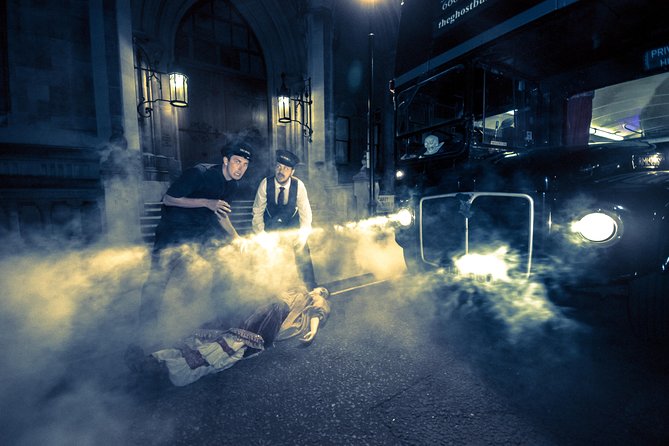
x,y
431,103
499,114
507,112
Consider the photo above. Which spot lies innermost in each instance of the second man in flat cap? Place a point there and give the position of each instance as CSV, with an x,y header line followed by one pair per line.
x,y
281,202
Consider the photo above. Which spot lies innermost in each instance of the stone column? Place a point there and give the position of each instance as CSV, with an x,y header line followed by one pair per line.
x,y
322,171
123,189
99,68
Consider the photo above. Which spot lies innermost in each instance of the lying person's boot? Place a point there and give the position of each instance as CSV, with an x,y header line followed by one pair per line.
x,y
139,362
134,358
150,373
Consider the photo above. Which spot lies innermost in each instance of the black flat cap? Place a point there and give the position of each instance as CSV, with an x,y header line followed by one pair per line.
x,y
287,158
239,149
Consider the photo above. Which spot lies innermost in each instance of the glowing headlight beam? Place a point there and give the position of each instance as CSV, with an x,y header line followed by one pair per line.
x,y
492,264
596,227
404,217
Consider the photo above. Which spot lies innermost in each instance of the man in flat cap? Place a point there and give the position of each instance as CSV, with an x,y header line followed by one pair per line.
x,y
196,206
282,203
195,211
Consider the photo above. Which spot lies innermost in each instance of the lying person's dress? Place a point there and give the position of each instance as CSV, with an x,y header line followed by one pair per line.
x,y
211,350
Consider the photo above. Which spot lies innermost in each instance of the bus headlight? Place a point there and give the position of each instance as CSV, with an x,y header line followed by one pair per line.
x,y
596,227
404,217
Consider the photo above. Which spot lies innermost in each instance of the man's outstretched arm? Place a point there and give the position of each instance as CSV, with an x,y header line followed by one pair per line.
x,y
217,206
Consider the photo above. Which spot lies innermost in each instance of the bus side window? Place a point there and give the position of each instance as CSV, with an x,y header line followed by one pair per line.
x,y
505,131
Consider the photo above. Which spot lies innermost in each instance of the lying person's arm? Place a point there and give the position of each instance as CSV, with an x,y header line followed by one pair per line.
x,y
313,329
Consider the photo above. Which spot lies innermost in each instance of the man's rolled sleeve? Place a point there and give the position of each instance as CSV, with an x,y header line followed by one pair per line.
x,y
259,206
303,208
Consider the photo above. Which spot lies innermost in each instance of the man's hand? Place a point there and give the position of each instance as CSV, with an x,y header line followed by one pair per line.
x,y
219,207
240,243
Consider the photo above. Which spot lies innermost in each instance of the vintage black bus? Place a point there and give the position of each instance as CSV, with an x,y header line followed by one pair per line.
x,y
537,132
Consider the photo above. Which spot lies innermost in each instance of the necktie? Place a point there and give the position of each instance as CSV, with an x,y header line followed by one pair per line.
x,y
279,199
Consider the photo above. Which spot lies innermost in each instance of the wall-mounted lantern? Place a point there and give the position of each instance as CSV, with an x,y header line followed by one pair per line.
x,y
178,89
153,81
297,107
151,85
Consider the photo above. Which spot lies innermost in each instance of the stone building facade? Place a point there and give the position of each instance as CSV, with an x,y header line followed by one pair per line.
x,y
80,154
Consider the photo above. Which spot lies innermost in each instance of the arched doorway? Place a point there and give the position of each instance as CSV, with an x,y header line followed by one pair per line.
x,y
228,99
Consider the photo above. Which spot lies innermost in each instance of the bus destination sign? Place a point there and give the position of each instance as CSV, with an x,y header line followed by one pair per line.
x,y
456,21
656,58
452,12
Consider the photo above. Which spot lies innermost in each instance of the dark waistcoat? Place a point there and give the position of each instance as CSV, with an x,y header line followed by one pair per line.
x,y
280,216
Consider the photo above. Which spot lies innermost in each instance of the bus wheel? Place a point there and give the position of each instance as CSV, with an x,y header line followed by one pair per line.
x,y
648,307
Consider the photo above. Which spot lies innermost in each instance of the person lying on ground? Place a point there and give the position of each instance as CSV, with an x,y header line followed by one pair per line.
x,y
212,349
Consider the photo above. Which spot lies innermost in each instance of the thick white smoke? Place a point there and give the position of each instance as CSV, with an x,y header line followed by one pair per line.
x,y
69,314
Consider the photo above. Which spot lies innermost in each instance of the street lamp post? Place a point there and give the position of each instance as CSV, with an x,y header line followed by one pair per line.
x,y
371,158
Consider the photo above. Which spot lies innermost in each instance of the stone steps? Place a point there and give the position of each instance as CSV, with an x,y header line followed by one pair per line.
x,y
241,218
